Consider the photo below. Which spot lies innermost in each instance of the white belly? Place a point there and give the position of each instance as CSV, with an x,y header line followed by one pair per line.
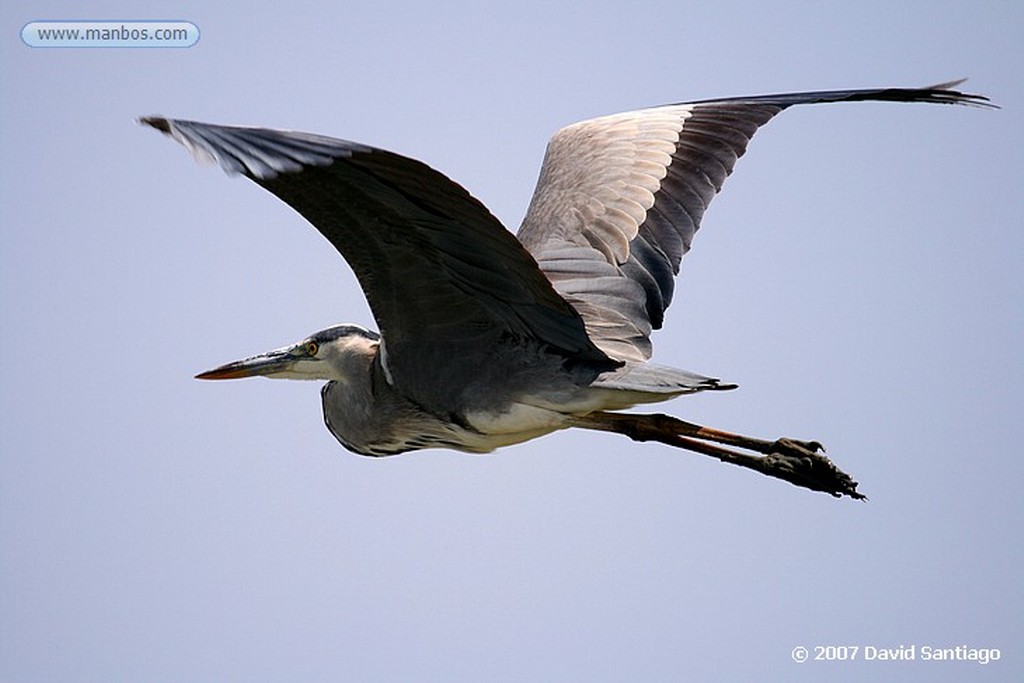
x,y
521,422
524,421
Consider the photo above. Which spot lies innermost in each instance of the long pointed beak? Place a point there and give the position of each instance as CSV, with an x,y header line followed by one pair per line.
x,y
265,364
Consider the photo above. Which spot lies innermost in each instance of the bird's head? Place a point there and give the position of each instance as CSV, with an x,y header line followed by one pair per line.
x,y
329,354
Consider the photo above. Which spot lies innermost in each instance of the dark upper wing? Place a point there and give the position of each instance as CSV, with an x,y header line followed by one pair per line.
x,y
620,198
443,277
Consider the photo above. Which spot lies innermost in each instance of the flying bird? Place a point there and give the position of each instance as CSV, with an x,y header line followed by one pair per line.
x,y
489,339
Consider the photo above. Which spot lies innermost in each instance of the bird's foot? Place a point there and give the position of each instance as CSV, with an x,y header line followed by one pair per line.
x,y
803,463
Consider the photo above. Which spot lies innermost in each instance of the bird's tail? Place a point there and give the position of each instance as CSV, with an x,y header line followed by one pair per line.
x,y
660,380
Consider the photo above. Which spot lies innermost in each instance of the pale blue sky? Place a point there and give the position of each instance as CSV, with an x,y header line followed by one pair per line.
x,y
860,277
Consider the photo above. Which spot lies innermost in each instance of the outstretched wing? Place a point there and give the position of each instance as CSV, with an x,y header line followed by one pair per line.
x,y
443,277
620,198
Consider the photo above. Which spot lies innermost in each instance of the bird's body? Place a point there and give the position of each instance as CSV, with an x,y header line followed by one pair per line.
x,y
539,393
489,339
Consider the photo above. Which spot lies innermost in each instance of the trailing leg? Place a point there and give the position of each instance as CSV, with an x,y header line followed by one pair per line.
x,y
798,462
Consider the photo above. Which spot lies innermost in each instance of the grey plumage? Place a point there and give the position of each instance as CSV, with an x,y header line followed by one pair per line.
x,y
653,173
486,339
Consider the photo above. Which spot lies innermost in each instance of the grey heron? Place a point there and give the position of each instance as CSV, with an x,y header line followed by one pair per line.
x,y
489,339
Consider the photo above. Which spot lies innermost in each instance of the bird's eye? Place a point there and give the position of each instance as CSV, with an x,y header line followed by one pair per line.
x,y
311,348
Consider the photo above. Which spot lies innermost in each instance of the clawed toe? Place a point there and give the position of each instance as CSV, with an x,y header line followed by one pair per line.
x,y
802,463
796,447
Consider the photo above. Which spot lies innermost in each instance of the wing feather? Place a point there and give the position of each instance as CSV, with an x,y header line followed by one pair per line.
x,y
629,191
443,277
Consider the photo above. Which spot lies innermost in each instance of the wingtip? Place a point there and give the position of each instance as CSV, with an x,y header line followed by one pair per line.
x,y
159,122
954,96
